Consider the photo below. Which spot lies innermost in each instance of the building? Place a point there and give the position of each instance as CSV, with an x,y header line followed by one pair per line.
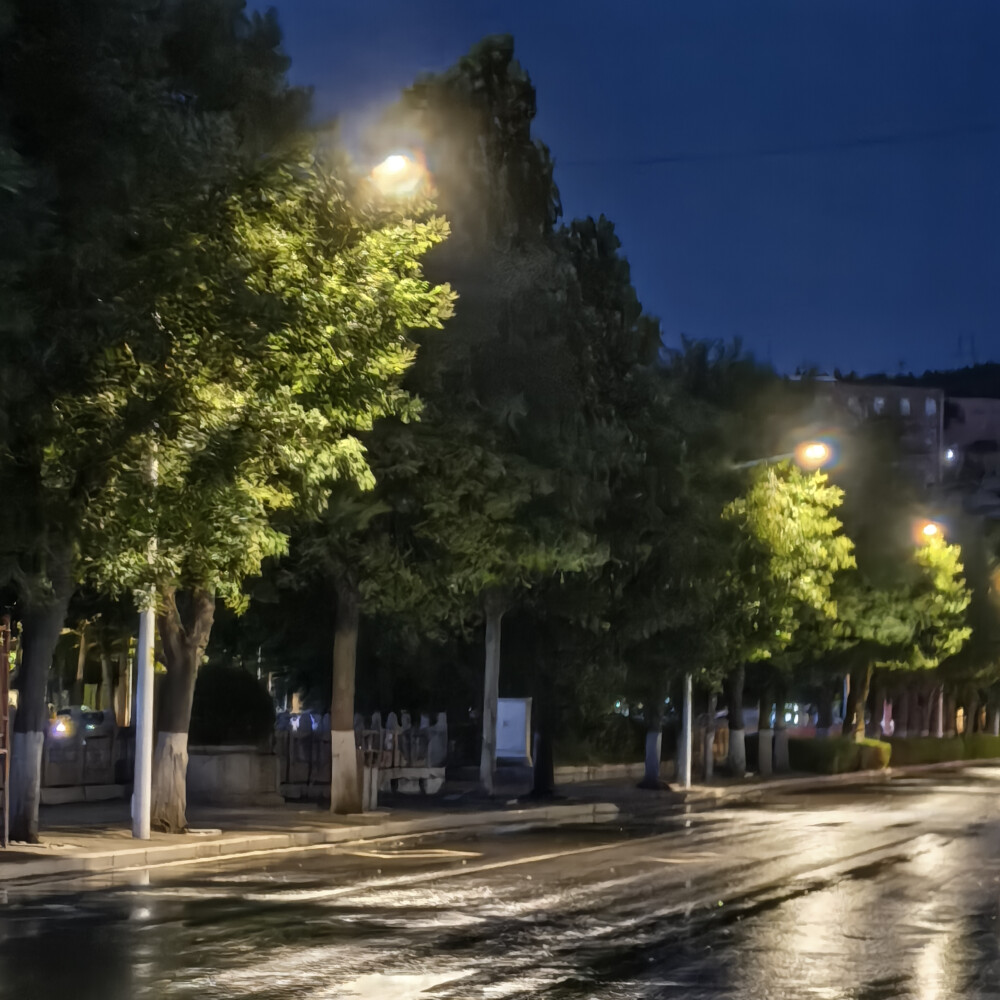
x,y
920,413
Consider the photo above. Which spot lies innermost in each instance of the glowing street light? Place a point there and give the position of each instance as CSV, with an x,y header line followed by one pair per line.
x,y
813,454
930,530
399,175
809,455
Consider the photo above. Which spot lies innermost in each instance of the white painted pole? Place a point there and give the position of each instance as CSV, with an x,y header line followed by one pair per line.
x,y
142,788
686,734
142,782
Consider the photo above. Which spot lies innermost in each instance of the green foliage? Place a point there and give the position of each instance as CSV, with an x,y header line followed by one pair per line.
x,y
981,746
875,754
927,750
839,755
789,554
287,332
829,756
930,750
609,739
231,707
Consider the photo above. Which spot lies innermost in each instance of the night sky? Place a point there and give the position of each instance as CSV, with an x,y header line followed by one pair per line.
x,y
818,177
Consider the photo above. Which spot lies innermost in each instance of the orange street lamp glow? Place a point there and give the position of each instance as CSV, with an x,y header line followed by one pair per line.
x,y
812,454
925,532
398,176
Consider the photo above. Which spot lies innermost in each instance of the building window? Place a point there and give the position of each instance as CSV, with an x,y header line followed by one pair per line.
x,y
878,405
904,407
930,406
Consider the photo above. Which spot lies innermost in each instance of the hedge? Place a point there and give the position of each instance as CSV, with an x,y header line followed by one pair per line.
x,y
931,750
838,755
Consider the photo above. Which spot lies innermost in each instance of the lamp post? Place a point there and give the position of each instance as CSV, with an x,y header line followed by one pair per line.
x,y
142,782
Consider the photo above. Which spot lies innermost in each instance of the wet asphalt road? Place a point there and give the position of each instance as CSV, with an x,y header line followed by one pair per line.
x,y
874,892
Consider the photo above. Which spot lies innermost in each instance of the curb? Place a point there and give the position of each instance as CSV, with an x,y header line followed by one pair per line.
x,y
253,845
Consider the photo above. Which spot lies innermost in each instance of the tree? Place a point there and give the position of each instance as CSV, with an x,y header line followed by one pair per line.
x,y
289,330
113,138
913,625
788,557
506,452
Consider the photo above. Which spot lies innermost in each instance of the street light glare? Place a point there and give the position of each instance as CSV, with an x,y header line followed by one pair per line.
x,y
930,529
813,454
399,175
394,164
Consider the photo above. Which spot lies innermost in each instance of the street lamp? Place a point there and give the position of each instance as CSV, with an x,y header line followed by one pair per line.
x,y
399,175
809,455
929,530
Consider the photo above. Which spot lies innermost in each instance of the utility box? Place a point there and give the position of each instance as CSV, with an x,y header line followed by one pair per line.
x,y
514,730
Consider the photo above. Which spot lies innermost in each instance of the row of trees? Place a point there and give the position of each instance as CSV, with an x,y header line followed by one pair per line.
x,y
233,371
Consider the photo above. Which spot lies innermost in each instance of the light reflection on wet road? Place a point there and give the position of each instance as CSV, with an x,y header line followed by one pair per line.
x,y
865,894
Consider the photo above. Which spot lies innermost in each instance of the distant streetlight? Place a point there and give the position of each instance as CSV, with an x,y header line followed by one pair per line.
x,y
399,175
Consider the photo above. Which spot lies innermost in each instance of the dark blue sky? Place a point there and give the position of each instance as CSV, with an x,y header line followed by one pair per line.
x,y
831,190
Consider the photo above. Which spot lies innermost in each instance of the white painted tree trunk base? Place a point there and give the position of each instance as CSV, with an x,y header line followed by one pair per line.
x,y
737,753
345,782
780,755
765,744
709,754
25,785
168,810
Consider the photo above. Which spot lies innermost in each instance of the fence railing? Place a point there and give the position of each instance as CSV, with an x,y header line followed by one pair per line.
x,y
409,754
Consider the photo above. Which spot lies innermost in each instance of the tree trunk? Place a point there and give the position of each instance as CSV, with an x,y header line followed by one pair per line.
x,y
183,649
494,608
864,685
876,710
81,665
779,757
41,625
824,712
654,750
851,707
544,708
345,781
737,741
107,700
948,719
684,750
765,735
901,714
710,739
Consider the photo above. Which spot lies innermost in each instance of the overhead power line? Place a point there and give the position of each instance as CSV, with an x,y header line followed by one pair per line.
x,y
885,139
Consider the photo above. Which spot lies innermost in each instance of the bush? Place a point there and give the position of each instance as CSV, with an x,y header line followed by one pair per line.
x,y
838,755
982,746
612,739
830,756
927,750
875,754
230,707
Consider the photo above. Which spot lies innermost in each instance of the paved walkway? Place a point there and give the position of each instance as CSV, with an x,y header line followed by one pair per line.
x,y
96,837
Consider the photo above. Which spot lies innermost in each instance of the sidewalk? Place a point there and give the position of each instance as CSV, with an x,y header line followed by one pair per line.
x,y
88,838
